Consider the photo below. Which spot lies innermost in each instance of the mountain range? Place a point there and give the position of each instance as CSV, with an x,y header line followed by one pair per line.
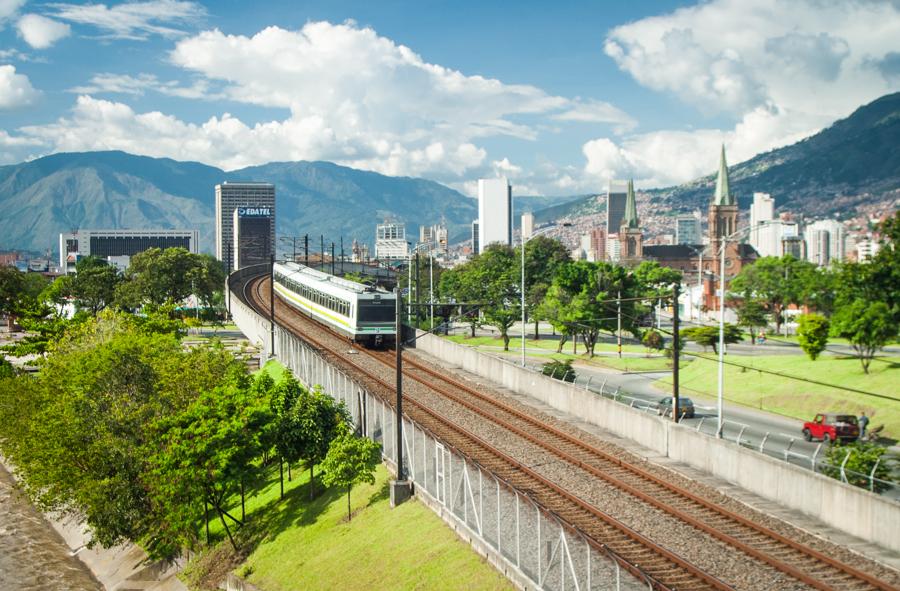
x,y
851,165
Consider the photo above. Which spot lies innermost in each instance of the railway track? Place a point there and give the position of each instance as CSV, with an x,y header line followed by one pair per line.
x,y
756,542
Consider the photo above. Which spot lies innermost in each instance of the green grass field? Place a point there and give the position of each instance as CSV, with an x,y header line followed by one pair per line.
x,y
546,348
296,543
800,399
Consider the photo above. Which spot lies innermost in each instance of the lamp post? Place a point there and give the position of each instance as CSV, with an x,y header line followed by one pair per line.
x,y
522,290
721,376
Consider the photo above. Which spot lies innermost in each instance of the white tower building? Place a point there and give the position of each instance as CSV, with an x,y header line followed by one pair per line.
x,y
494,212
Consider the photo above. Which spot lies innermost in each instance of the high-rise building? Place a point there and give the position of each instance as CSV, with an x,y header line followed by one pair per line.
x,y
616,195
436,237
253,241
825,240
598,243
390,241
866,249
687,229
494,212
527,225
230,196
119,244
475,238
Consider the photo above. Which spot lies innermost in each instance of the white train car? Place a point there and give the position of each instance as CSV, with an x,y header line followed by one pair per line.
x,y
366,315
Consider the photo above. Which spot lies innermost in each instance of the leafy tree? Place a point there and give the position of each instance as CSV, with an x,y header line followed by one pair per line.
x,y
543,256
6,369
80,432
11,284
57,294
158,276
708,336
460,286
94,284
868,326
863,459
813,334
774,282
752,314
350,460
653,339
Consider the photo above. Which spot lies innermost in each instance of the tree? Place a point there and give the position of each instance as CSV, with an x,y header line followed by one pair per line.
x,y
708,336
206,452
94,284
460,286
752,314
158,276
11,284
350,460
813,334
654,340
774,282
868,326
862,461
543,256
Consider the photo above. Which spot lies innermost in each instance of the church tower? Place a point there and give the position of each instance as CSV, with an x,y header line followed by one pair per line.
x,y
723,212
631,239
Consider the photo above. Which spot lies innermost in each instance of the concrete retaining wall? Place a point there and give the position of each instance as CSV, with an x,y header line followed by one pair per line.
x,y
849,508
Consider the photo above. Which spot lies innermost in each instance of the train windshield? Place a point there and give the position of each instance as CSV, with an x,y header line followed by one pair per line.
x,y
370,312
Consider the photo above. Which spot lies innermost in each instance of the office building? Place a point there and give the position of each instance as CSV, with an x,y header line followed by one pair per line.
x,y
390,241
116,244
825,242
598,243
253,241
475,243
794,246
435,237
616,195
494,212
687,229
230,196
527,225
866,249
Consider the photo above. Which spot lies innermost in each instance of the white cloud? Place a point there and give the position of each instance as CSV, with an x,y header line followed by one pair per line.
x,y
782,69
597,112
349,96
15,89
41,32
133,20
8,8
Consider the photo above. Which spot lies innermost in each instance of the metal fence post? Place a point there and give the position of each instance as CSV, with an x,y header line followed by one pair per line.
x,y
872,475
844,464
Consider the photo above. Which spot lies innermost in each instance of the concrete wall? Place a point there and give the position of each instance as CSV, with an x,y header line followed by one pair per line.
x,y
849,508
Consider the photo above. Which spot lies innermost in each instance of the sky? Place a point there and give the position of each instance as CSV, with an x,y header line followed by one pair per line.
x,y
559,97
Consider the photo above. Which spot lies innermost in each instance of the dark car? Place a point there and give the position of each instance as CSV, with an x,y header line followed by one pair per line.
x,y
832,427
685,407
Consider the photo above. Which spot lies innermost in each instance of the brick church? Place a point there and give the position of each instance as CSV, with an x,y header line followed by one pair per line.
x,y
688,258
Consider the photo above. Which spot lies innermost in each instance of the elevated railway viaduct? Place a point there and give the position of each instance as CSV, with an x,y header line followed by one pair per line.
x,y
546,503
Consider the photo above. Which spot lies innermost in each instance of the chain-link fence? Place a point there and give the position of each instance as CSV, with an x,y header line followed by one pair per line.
x,y
530,544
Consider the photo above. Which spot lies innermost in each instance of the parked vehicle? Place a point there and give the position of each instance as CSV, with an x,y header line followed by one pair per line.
x,y
832,427
685,407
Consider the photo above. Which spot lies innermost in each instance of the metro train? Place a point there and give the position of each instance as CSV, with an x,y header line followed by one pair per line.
x,y
364,314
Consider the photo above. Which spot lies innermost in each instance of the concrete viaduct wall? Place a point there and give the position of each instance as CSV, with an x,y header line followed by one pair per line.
x,y
849,508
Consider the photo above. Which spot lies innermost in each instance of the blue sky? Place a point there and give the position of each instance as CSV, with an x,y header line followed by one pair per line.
x,y
558,96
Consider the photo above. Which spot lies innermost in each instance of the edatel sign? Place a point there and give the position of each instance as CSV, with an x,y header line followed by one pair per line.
x,y
254,212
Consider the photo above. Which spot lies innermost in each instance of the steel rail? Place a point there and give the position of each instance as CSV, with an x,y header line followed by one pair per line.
x,y
682,566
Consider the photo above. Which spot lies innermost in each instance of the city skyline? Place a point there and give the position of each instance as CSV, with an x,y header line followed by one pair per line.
x,y
557,101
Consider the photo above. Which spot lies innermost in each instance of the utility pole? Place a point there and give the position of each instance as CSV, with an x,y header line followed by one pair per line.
x,y
619,322
306,248
342,255
431,286
417,288
272,306
332,258
322,251
400,489
676,357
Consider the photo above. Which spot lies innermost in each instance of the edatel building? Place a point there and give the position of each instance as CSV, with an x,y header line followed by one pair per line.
x,y
229,197
253,239
118,246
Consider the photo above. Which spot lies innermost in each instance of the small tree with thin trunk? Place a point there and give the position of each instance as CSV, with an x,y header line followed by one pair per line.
x,y
868,326
813,334
350,460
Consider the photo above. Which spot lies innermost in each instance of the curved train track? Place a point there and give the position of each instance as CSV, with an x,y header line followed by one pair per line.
x,y
666,569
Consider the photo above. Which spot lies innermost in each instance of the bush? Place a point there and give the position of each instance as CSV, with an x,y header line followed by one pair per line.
x,y
863,459
813,334
653,340
560,370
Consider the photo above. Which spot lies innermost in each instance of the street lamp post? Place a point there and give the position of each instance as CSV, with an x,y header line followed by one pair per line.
x,y
522,290
721,377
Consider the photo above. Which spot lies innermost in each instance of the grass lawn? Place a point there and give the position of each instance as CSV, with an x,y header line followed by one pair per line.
x,y
547,348
297,544
799,399
274,368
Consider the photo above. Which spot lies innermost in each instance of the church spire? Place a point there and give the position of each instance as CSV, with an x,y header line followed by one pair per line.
x,y
630,219
723,193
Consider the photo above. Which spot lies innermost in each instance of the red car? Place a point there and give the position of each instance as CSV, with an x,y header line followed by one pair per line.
x,y
832,427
